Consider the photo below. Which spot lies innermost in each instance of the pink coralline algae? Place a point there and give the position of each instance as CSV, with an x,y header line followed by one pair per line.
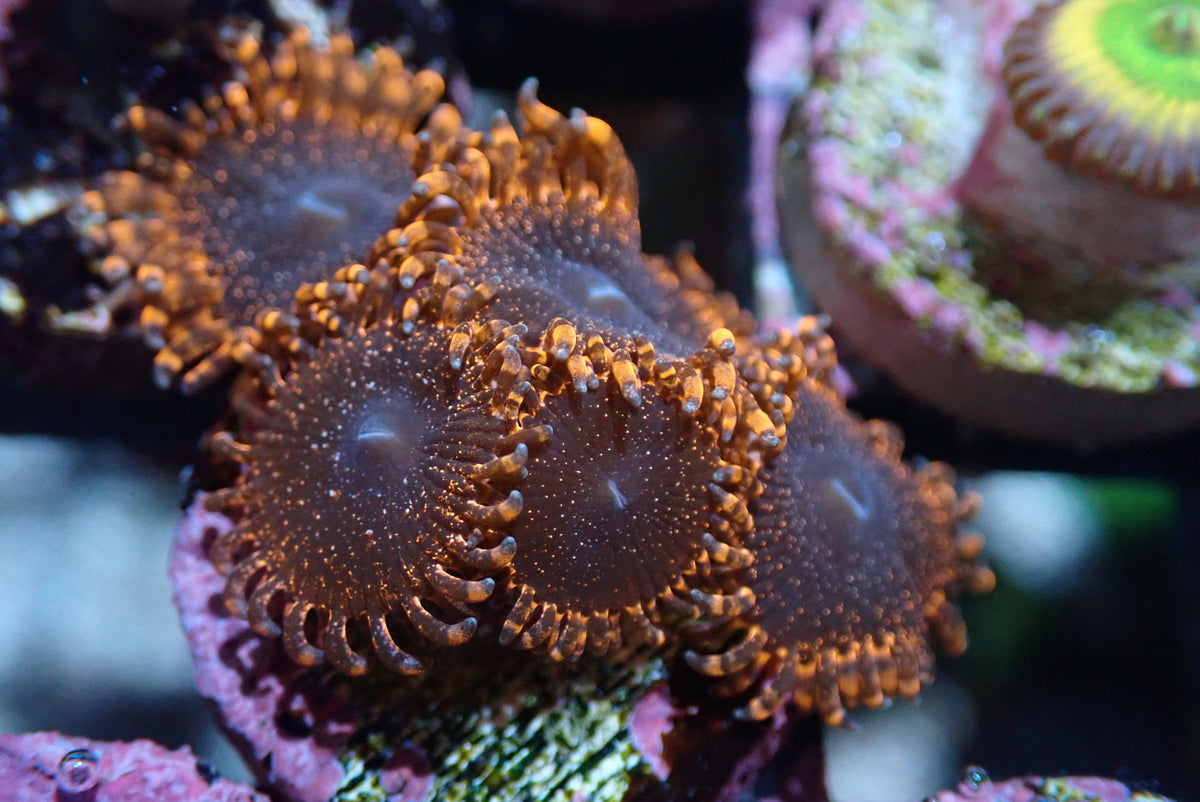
x,y
976,786
263,698
51,766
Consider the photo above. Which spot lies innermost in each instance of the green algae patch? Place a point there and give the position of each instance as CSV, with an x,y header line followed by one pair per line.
x,y
507,727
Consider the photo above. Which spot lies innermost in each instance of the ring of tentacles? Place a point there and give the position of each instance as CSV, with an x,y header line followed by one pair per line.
x,y
286,173
601,449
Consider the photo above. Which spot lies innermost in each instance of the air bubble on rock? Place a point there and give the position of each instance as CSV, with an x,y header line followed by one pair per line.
x,y
78,771
972,778
1097,338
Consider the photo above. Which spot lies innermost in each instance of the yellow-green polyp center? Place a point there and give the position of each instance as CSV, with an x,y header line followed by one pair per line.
x,y
1155,43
